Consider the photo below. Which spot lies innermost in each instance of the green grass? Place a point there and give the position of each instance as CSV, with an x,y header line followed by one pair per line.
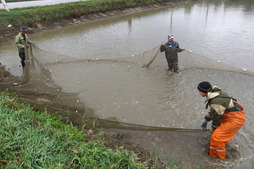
x,y
32,15
32,139
16,0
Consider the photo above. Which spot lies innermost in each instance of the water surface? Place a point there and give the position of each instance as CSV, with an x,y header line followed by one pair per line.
x,y
219,30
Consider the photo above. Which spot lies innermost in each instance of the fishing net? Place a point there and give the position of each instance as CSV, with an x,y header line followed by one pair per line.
x,y
37,80
150,58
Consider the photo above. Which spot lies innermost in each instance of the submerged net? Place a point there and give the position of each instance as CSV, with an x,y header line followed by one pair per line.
x,y
37,81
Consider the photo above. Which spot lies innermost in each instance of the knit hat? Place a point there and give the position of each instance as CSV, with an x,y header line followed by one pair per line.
x,y
204,86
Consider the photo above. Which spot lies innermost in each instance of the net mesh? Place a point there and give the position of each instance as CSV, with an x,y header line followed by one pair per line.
x,y
37,80
150,58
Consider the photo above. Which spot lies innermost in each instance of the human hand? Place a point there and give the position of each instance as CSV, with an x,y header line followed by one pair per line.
x,y
183,48
162,44
204,125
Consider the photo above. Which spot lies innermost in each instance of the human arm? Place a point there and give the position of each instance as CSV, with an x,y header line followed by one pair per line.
x,y
215,117
204,125
162,47
178,47
18,42
180,50
28,40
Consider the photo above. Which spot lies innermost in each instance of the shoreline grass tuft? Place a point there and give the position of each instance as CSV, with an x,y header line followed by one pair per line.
x,y
32,139
32,15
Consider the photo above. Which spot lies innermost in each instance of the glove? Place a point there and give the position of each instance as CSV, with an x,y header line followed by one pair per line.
x,y
204,125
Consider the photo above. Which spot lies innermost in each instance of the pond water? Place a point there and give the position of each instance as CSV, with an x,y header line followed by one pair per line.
x,y
218,30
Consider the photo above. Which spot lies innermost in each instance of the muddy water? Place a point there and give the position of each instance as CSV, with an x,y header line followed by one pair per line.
x,y
133,94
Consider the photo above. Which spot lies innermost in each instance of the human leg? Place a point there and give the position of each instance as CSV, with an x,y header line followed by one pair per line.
x,y
175,66
23,58
232,122
169,63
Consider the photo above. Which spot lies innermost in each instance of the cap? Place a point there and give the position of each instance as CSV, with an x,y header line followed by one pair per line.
x,y
23,30
170,36
204,86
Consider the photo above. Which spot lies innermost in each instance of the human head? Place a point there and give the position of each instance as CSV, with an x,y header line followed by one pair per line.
x,y
23,30
203,88
170,37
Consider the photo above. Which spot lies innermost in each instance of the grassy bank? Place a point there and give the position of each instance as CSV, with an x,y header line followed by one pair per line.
x,y
32,139
30,16
16,0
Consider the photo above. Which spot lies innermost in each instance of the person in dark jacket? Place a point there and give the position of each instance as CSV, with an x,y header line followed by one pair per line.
x,y
171,49
226,114
22,42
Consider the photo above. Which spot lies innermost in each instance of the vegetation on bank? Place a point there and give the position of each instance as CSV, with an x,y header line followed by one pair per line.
x,y
32,139
32,15
16,0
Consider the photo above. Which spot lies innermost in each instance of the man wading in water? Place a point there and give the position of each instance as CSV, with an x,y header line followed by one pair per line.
x,y
227,117
22,43
171,48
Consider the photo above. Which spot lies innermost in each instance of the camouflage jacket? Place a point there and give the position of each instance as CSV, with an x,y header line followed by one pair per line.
x,y
20,42
219,103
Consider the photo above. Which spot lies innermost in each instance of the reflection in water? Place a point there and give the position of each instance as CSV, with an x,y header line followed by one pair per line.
x,y
207,12
130,24
171,22
248,5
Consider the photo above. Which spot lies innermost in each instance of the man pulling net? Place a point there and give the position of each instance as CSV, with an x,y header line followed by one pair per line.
x,y
226,114
171,49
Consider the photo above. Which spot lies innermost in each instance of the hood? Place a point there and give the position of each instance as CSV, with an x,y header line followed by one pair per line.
x,y
213,92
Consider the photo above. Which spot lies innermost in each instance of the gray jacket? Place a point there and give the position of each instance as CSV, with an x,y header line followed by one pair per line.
x,y
170,52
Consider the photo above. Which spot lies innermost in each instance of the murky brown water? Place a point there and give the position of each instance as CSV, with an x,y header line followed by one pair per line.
x,y
133,94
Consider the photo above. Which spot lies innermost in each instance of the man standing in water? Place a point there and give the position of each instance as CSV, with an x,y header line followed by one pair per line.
x,y
171,48
22,43
227,117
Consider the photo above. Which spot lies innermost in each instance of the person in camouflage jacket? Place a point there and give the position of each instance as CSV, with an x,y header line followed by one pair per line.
x,y
22,42
226,114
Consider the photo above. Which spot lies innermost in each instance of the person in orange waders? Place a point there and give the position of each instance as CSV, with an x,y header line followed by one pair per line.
x,y
226,114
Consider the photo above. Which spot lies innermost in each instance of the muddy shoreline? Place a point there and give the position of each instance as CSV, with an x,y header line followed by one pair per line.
x,y
113,139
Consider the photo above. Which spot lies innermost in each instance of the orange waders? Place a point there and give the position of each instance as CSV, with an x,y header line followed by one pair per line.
x,y
231,123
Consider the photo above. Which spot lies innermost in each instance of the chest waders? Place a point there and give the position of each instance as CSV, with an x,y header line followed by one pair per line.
x,y
172,58
233,120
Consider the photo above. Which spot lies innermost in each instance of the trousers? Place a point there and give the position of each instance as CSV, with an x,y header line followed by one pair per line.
x,y
231,123
23,58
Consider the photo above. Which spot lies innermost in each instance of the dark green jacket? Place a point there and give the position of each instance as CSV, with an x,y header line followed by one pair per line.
x,y
170,52
219,103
